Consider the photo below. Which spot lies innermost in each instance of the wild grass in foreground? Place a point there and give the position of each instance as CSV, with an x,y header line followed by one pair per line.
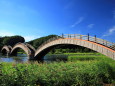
x,y
78,73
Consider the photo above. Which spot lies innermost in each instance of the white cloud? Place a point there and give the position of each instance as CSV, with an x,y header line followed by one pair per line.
x,y
78,21
110,31
29,38
90,25
6,33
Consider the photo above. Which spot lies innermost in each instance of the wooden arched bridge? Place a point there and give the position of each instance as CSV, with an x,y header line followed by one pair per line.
x,y
100,45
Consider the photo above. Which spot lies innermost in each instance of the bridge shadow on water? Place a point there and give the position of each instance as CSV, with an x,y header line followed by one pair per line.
x,y
52,58
22,58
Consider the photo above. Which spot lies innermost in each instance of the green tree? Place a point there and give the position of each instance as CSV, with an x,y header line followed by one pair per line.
x,y
37,42
13,40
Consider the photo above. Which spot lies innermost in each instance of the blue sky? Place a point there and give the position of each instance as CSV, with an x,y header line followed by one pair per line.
x,y
35,18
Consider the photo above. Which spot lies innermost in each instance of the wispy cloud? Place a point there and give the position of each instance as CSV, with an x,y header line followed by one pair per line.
x,y
77,22
90,25
111,31
6,33
29,38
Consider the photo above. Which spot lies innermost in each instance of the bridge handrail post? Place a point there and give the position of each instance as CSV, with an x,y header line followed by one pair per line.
x,y
103,41
74,36
80,36
68,35
62,35
88,37
106,43
56,37
95,39
51,39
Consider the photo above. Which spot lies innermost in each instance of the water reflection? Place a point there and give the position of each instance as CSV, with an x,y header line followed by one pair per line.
x,y
18,59
21,58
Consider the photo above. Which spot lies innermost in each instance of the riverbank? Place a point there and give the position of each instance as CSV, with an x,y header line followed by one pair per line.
x,y
97,72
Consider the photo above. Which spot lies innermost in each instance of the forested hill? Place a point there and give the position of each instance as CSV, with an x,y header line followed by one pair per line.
x,y
11,40
37,42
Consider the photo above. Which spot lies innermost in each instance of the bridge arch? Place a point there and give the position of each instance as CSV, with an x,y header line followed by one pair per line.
x,y
30,47
10,47
23,47
44,49
6,50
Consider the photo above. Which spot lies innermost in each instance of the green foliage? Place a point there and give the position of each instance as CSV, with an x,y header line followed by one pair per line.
x,y
79,73
10,40
13,40
56,57
70,49
1,42
85,56
37,42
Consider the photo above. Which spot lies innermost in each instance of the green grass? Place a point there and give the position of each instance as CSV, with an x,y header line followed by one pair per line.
x,y
21,52
75,72
83,53
86,56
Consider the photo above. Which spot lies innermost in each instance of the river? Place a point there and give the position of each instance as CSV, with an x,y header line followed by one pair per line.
x,y
22,58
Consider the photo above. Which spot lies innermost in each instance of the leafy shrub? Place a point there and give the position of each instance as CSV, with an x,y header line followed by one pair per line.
x,y
92,73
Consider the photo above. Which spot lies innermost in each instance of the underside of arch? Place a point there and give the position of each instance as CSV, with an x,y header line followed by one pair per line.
x,y
20,46
40,55
48,49
5,50
15,51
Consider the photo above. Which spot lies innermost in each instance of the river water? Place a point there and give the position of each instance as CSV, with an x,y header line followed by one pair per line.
x,y
21,58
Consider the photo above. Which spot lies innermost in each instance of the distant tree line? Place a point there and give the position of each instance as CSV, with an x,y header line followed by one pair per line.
x,y
70,49
37,42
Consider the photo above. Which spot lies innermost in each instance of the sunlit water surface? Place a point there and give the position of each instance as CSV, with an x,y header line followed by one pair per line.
x,y
21,58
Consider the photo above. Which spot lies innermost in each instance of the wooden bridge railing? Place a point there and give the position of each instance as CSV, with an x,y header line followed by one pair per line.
x,y
90,38
82,37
